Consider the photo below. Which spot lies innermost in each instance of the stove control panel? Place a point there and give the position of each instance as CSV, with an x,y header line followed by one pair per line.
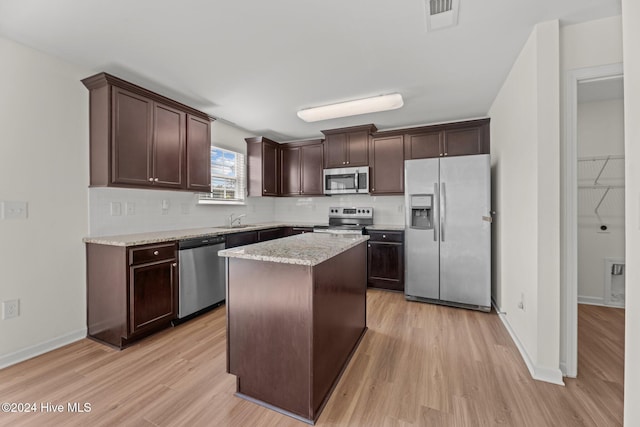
x,y
366,212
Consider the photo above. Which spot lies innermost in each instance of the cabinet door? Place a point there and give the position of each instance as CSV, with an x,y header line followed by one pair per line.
x,y
424,145
168,144
271,234
311,170
387,165
290,171
132,138
198,154
241,239
358,148
152,295
386,265
336,150
269,169
462,142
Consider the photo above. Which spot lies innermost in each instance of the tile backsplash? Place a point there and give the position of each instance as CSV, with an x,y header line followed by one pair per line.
x,y
122,211
115,211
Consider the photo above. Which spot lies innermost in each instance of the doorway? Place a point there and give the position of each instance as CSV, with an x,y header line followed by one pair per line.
x,y
593,202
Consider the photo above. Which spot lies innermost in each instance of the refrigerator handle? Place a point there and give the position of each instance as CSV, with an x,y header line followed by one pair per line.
x,y
434,217
443,212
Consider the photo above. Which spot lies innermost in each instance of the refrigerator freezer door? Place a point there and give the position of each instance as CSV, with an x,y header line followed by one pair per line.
x,y
465,250
421,249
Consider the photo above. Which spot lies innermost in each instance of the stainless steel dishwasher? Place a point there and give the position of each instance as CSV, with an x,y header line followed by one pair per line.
x,y
202,274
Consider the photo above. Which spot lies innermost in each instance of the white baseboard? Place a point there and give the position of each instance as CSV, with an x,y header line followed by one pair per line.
x,y
549,375
38,349
591,300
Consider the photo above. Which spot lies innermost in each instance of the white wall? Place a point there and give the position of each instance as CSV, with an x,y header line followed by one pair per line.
x,y
44,130
525,161
589,44
600,128
631,42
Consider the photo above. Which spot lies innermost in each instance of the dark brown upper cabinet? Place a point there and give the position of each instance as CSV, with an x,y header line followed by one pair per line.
x,y
198,164
141,139
347,147
386,161
263,166
445,140
301,168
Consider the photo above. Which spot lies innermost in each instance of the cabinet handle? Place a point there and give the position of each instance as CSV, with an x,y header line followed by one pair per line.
x,y
150,179
156,253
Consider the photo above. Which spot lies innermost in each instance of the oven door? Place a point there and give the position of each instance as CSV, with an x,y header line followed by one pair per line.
x,y
346,181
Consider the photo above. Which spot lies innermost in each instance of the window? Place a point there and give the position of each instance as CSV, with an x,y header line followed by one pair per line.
x,y
228,177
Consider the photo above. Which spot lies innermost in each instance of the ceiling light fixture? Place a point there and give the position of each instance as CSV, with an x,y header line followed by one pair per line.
x,y
352,108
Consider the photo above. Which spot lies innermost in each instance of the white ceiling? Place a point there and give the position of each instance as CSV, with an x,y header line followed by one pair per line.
x,y
255,63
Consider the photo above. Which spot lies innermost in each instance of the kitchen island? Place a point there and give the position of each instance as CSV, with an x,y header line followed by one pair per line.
x,y
296,311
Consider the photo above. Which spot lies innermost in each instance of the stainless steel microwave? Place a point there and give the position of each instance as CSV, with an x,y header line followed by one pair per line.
x,y
346,180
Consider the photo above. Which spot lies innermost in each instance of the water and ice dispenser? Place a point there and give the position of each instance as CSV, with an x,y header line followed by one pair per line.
x,y
422,211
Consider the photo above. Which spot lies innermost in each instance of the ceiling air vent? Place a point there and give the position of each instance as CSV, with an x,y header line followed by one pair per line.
x,y
441,13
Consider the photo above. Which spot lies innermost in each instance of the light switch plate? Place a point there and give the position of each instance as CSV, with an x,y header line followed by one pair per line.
x,y
116,208
13,210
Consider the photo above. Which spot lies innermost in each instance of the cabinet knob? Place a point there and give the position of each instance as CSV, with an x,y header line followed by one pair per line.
x,y
369,246
156,180
156,253
150,179
348,162
373,189
384,236
265,190
175,264
446,154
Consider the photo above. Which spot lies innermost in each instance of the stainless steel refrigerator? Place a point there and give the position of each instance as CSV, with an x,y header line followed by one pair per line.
x,y
448,231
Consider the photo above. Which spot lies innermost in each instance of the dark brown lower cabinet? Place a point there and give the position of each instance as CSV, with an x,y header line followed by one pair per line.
x,y
271,234
131,291
292,231
385,264
241,239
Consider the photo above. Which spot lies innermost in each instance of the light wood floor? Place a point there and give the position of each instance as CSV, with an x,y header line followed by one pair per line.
x,y
418,365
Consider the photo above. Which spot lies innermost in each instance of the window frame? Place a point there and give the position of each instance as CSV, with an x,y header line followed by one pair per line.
x,y
240,179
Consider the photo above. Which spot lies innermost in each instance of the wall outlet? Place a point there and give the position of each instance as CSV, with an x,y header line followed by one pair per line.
x,y
10,309
13,210
116,208
130,208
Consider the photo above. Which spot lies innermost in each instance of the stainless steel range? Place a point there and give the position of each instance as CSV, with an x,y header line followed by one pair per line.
x,y
347,221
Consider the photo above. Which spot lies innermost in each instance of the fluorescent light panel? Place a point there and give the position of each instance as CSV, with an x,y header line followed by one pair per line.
x,y
352,108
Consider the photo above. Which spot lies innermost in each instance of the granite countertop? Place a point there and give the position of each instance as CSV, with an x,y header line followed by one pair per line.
x,y
170,235
302,249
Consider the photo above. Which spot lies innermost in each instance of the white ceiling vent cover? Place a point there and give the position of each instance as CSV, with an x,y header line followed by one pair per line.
x,y
441,13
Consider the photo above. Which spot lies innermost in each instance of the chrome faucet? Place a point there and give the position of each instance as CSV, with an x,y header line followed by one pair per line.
x,y
238,218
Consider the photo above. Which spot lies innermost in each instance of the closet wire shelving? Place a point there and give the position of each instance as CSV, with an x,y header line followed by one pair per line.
x,y
602,175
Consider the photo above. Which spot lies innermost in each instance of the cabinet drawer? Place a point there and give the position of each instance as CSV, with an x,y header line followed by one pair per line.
x,y
142,254
386,236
